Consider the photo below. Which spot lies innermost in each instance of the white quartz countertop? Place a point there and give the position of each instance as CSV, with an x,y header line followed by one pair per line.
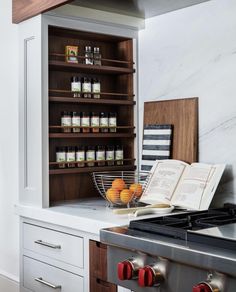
x,y
88,216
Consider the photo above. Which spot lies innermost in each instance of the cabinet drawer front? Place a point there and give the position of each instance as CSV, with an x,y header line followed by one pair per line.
x,y
57,245
40,277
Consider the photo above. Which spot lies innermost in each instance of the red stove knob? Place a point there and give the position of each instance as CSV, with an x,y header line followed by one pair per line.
x,y
149,276
125,270
202,287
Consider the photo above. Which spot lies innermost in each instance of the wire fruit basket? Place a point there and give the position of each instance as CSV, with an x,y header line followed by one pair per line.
x,y
121,188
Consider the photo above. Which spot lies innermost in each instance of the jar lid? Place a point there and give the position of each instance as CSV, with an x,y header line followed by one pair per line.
x,y
75,79
90,148
65,113
96,80
93,114
60,149
102,114
88,49
75,114
110,147
100,147
80,148
119,147
70,148
86,79
112,114
86,114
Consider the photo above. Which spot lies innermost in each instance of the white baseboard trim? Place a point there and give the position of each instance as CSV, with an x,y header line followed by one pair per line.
x,y
8,284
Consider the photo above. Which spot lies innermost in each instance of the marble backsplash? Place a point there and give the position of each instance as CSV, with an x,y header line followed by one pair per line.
x,y
192,52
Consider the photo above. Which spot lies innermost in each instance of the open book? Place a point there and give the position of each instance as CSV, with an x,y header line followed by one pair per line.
x,y
183,185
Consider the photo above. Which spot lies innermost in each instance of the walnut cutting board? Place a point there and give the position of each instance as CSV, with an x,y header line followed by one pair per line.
x,y
183,115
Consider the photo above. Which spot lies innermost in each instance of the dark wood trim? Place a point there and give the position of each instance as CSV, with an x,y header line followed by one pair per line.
x,y
91,169
25,9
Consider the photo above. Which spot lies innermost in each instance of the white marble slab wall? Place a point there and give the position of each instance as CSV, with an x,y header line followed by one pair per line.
x,y
192,52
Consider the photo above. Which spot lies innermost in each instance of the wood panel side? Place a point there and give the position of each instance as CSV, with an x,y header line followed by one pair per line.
x,y
25,9
183,115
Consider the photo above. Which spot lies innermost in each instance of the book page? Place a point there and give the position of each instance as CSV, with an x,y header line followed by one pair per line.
x,y
193,188
164,179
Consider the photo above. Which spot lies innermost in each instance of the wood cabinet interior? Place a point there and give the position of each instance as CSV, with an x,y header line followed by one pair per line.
x,y
117,95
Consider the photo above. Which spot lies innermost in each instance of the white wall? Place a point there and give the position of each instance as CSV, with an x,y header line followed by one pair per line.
x,y
9,234
192,52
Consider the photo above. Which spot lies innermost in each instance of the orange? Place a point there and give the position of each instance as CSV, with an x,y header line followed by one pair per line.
x,y
126,196
118,184
113,195
136,189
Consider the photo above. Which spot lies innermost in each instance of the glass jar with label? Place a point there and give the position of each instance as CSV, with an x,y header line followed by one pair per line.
x,y
119,155
80,156
96,88
88,55
95,122
100,155
97,57
61,156
66,121
110,155
75,121
85,122
90,156
104,122
70,156
76,86
86,87
112,122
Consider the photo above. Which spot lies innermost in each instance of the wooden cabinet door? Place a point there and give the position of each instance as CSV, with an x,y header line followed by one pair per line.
x,y
24,9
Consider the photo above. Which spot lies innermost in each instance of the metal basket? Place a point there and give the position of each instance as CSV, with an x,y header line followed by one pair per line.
x,y
103,181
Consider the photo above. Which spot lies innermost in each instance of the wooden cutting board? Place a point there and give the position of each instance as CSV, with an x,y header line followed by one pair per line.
x,y
183,115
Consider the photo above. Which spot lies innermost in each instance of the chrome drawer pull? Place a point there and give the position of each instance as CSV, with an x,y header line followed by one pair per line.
x,y
47,244
40,280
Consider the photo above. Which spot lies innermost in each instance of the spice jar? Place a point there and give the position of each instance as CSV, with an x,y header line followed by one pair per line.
x,y
104,122
100,155
66,122
76,86
80,156
70,156
90,155
85,122
95,122
119,155
97,56
86,87
75,121
61,156
110,155
96,88
112,122
88,55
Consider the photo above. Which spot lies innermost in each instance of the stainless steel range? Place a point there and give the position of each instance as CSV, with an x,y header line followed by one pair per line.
x,y
192,251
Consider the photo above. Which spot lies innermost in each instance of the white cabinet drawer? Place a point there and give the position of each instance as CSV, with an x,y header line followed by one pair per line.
x,y
40,277
54,244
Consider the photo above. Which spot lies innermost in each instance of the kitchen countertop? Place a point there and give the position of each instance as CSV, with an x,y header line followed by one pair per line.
x,y
86,215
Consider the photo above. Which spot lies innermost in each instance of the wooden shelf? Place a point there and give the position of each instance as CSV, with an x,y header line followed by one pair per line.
x,y
91,135
61,99
63,66
86,162
83,58
91,169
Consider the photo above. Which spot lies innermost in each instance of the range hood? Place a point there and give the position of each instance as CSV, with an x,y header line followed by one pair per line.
x,y
137,8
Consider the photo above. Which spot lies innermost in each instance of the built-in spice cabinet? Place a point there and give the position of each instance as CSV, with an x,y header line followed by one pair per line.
x,y
45,92
116,96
